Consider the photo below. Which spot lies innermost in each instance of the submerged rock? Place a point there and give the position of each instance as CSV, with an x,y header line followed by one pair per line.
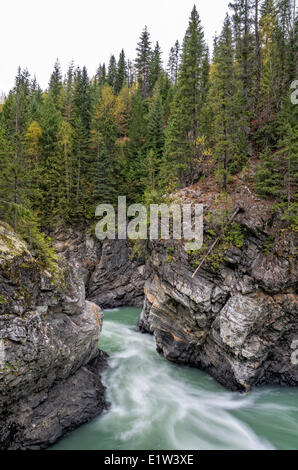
x,y
50,363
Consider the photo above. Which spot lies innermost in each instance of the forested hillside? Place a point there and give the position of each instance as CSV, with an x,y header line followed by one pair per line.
x,y
142,127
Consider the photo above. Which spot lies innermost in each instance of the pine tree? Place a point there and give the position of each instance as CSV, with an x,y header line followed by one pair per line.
x,y
52,166
155,126
242,20
143,61
277,174
136,148
101,176
258,65
6,177
81,135
155,67
15,116
142,130
270,56
101,75
65,148
35,100
226,105
284,38
183,128
112,71
104,119
121,74
68,94
137,127
55,84
173,63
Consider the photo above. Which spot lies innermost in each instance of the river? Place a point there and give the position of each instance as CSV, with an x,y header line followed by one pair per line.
x,y
160,405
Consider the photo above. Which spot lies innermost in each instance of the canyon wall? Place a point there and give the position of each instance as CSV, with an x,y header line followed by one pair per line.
x,y
50,363
238,321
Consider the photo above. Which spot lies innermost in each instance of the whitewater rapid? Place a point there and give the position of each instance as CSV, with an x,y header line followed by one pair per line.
x,y
159,405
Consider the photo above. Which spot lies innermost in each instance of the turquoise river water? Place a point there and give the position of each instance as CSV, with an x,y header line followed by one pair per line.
x,y
159,405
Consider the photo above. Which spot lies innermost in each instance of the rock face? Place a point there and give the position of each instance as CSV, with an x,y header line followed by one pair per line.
x,y
240,323
50,363
113,277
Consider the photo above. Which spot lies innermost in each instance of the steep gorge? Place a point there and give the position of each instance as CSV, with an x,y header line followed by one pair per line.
x,y
238,322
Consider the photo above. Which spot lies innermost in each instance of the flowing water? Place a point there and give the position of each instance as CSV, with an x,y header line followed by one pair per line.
x,y
159,405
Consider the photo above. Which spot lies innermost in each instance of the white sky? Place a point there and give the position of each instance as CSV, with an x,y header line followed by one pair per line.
x,y
33,33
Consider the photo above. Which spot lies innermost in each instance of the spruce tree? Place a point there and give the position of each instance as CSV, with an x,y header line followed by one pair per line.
x,y
155,67
226,103
55,84
68,94
136,148
112,71
143,62
173,63
155,126
101,75
81,135
51,167
244,47
15,117
101,176
121,74
183,128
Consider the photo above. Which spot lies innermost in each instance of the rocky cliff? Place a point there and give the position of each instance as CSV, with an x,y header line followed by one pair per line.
x,y
113,276
238,318
50,363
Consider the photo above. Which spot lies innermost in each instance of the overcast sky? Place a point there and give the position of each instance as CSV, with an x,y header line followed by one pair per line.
x,y
33,33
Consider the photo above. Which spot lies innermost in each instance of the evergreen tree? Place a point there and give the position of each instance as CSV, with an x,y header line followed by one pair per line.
x,y
101,75
143,62
137,126
121,74
101,176
104,121
155,126
7,177
183,128
81,135
136,148
242,20
227,107
65,148
112,72
68,94
142,130
51,167
277,175
55,84
173,63
15,117
155,67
